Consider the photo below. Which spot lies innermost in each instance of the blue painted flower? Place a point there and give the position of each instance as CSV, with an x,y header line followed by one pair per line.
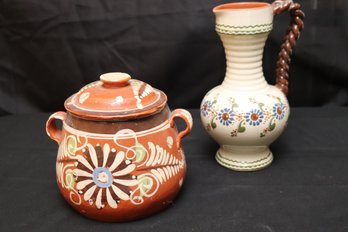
x,y
279,111
205,108
254,117
226,116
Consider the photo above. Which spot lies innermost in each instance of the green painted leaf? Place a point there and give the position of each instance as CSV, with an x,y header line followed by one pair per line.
x,y
262,135
241,128
144,184
234,106
272,125
261,105
140,152
213,124
71,145
69,180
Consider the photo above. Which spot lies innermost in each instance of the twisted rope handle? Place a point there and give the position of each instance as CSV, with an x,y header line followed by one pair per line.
x,y
292,35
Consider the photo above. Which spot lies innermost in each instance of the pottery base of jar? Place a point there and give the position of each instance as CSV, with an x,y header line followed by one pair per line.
x,y
242,158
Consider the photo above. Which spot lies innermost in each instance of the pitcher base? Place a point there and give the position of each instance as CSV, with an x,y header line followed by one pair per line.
x,y
241,158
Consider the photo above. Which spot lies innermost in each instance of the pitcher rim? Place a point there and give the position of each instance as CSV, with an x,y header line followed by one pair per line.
x,y
247,6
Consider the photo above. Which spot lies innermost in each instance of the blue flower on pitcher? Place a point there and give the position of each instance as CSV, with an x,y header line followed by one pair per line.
x,y
205,108
226,116
254,117
279,111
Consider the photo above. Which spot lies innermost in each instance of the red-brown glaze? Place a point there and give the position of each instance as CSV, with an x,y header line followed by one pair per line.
x,y
116,99
120,155
240,6
186,116
111,127
51,128
126,210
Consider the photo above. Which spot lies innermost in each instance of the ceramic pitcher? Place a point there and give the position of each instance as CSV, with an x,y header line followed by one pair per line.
x,y
245,114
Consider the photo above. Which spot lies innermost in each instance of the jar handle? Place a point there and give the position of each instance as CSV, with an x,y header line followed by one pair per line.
x,y
186,116
51,129
292,35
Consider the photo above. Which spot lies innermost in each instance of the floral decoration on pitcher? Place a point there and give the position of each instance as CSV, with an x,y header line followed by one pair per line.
x,y
231,117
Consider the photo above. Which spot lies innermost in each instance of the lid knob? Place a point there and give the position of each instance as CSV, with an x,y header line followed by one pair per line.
x,y
115,79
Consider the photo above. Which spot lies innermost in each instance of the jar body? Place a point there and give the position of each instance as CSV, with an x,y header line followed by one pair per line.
x,y
120,176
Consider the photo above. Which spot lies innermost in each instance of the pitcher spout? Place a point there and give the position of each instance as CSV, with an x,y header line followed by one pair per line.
x,y
244,18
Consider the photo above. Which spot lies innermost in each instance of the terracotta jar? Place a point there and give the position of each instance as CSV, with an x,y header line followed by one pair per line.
x,y
245,114
120,156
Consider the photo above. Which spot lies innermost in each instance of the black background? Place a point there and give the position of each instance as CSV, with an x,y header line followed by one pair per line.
x,y
50,49
304,190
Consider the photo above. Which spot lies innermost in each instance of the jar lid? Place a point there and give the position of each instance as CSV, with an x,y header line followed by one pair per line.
x,y
116,97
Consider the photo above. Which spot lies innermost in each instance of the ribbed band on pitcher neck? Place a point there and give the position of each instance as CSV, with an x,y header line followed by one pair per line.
x,y
244,62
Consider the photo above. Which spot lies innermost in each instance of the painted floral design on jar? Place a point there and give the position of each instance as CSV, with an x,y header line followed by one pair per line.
x,y
104,176
121,170
254,117
226,116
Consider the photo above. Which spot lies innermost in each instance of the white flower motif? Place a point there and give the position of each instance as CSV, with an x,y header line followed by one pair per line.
x,y
104,176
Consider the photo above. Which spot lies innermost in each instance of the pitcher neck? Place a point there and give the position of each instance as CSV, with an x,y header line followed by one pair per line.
x,y
244,54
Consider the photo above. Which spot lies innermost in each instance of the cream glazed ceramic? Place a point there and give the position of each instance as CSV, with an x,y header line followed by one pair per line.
x,y
245,114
